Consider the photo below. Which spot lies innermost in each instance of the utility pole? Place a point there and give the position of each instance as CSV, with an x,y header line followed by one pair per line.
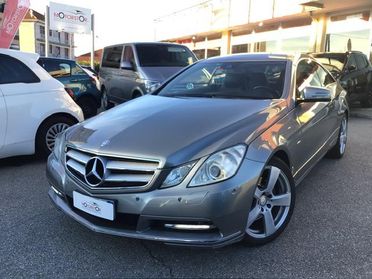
x,y
92,52
47,31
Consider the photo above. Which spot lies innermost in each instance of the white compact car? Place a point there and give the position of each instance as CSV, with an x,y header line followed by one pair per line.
x,y
34,107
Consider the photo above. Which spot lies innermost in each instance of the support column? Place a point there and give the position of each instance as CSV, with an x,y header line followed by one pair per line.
x,y
318,37
226,42
206,48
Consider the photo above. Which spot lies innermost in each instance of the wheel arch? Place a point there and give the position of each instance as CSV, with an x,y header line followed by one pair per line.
x,y
282,155
136,91
89,97
59,114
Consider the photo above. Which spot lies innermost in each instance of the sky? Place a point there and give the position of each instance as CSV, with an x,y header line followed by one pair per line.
x,y
119,21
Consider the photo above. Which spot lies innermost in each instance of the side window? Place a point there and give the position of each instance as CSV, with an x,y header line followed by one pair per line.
x,y
111,57
306,75
361,62
57,68
14,71
324,77
76,70
129,55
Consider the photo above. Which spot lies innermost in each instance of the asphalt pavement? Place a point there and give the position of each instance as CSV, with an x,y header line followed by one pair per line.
x,y
329,236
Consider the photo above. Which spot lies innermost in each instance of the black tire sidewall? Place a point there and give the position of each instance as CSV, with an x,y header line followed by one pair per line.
x,y
276,162
41,146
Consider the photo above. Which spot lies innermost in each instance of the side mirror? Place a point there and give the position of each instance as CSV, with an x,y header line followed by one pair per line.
x,y
126,65
351,68
315,94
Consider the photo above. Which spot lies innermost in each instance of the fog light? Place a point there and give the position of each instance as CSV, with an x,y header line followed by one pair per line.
x,y
56,191
189,227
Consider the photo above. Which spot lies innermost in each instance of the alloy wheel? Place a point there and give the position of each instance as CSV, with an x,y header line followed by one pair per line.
x,y
271,204
343,135
53,132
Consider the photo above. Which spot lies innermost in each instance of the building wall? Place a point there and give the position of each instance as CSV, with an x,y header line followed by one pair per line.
x,y
32,39
222,27
27,37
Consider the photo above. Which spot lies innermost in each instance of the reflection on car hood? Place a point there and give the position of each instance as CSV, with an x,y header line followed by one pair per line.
x,y
175,130
160,73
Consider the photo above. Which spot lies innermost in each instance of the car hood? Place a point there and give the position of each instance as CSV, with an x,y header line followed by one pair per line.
x,y
160,73
174,130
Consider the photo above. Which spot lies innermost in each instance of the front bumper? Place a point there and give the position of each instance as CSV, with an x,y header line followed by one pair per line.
x,y
143,215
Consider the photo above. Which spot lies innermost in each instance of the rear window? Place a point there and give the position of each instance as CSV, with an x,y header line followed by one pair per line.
x,y
154,55
56,68
14,71
332,62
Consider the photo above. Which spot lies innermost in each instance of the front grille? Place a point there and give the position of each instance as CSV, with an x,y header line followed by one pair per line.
x,y
117,172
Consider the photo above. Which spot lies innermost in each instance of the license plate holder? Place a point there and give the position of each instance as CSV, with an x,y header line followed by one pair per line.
x,y
100,208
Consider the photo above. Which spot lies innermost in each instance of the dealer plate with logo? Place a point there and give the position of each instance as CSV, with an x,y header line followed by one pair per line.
x,y
98,207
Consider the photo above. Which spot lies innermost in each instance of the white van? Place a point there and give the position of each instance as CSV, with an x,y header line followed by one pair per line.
x,y
34,107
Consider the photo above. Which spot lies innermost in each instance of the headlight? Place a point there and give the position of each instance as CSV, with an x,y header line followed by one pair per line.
x,y
151,85
219,166
177,175
59,145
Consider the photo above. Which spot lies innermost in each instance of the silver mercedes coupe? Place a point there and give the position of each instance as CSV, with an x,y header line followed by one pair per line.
x,y
210,158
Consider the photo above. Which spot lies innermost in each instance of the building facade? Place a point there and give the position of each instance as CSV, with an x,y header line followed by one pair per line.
x,y
220,27
32,34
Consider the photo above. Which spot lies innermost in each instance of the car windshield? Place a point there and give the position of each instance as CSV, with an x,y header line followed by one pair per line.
x,y
155,55
242,80
332,62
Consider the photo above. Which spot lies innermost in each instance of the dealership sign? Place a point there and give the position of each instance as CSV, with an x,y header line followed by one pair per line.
x,y
15,11
69,18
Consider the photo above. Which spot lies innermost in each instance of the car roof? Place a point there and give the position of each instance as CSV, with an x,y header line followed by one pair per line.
x,y
56,58
320,54
20,54
147,43
251,57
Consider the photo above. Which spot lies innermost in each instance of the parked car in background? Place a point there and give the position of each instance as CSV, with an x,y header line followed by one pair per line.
x,y
81,86
354,72
131,70
34,107
92,71
210,158
93,74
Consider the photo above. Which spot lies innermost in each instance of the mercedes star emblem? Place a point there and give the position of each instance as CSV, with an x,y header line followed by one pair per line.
x,y
94,171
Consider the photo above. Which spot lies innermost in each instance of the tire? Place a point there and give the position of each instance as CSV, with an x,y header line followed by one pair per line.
x,y
272,205
88,106
136,95
48,131
338,151
105,103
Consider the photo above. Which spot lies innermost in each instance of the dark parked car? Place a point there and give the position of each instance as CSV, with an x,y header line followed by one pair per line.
x,y
354,72
79,84
210,158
